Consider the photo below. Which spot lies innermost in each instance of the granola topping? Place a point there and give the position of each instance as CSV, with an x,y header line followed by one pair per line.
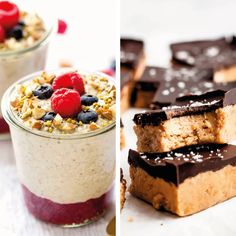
x,y
31,28
33,111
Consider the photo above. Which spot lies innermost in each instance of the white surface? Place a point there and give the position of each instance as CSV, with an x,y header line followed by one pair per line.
x,y
89,44
159,23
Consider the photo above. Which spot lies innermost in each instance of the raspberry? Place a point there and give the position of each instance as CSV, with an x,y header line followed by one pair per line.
x,y
69,80
9,14
66,102
62,27
109,72
2,34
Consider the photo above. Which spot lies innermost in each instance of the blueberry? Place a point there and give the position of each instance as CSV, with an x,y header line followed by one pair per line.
x,y
21,23
43,92
88,100
87,116
49,116
17,32
113,65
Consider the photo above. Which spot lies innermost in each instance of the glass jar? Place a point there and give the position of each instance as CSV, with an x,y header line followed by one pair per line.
x,y
16,64
67,179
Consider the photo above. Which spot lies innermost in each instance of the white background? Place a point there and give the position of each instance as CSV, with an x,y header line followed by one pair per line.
x,y
159,23
90,44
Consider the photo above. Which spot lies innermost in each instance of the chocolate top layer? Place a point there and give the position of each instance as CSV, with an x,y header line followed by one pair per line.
x,y
131,52
150,81
180,81
188,105
215,54
121,175
183,163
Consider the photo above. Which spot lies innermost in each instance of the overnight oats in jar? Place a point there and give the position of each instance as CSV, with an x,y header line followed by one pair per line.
x,y
63,132
24,38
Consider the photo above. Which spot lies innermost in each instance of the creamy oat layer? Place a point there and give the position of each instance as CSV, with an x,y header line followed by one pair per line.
x,y
33,29
30,110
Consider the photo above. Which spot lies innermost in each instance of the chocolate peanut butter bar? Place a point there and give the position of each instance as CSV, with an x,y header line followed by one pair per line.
x,y
218,54
160,87
132,56
122,189
184,181
186,82
194,119
146,87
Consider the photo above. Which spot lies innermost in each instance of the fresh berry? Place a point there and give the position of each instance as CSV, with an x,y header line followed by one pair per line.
x,y
87,116
16,32
88,100
2,34
9,14
49,116
108,72
21,23
66,102
69,80
43,92
62,27
113,65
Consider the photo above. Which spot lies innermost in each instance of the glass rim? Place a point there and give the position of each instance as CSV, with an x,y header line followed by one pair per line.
x,y
11,119
37,44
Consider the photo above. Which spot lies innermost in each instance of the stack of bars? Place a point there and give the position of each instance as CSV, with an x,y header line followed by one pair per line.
x,y
196,67
184,162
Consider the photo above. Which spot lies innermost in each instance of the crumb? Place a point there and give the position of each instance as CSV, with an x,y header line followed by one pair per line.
x,y
63,63
130,219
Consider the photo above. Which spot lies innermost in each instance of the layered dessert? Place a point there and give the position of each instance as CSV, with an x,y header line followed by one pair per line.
x,y
122,189
194,119
184,181
23,45
63,133
216,54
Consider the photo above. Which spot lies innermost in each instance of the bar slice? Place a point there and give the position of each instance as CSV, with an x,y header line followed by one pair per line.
x,y
194,119
217,54
132,56
184,181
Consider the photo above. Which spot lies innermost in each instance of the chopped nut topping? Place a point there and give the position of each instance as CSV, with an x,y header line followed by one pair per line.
x,y
33,31
93,126
57,120
38,113
27,113
37,124
31,109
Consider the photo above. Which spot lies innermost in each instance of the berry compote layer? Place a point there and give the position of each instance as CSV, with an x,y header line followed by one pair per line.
x,y
4,128
63,132
66,214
